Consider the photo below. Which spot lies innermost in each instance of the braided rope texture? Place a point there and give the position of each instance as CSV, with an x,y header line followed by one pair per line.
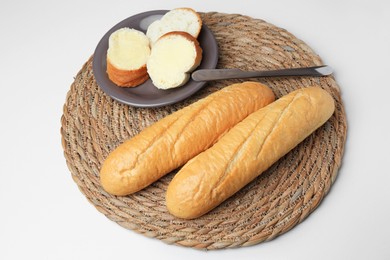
x,y
93,124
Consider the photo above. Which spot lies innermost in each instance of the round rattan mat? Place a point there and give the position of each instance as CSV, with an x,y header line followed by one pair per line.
x,y
93,124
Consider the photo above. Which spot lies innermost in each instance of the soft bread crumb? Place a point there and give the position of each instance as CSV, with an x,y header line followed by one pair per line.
x,y
173,56
179,19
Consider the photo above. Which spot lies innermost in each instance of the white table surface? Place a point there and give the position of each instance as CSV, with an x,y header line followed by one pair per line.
x,y
43,215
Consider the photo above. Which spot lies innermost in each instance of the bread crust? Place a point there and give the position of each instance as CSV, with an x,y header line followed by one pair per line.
x,y
197,15
246,151
175,139
159,27
126,78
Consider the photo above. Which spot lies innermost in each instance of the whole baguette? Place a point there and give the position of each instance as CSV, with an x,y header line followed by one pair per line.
x,y
172,141
246,151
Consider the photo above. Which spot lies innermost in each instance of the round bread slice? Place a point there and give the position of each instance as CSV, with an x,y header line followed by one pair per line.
x,y
173,57
127,54
179,19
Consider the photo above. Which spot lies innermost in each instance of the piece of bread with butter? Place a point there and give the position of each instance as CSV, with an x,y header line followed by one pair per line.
x,y
127,54
173,57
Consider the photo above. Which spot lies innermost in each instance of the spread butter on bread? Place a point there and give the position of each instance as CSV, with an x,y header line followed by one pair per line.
x,y
127,54
173,57
246,151
179,19
172,141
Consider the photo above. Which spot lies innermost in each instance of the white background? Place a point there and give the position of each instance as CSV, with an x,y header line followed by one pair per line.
x,y
43,215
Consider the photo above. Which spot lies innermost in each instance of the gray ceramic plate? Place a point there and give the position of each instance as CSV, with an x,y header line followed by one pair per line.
x,y
147,95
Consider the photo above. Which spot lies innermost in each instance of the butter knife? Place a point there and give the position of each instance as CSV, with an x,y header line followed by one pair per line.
x,y
217,74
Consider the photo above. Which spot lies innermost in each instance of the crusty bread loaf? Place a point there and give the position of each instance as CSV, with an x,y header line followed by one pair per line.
x,y
173,57
179,19
127,55
247,150
172,141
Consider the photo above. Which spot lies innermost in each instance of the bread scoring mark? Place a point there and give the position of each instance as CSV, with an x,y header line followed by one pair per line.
x,y
151,144
198,192
227,170
242,146
277,122
233,159
212,99
178,135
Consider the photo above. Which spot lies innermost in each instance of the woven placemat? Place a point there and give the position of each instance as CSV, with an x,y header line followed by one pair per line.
x,y
93,124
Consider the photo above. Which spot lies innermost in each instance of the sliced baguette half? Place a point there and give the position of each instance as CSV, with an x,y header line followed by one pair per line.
x,y
179,19
172,58
127,54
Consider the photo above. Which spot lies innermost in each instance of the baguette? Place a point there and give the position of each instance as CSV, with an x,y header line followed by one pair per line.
x,y
246,151
172,141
